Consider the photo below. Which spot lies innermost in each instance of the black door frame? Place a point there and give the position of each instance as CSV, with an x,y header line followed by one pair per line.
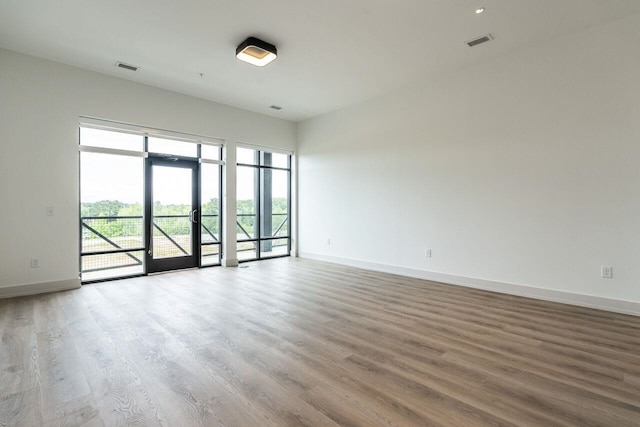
x,y
181,262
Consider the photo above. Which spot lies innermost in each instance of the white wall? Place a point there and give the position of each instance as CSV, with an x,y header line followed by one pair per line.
x,y
523,170
40,102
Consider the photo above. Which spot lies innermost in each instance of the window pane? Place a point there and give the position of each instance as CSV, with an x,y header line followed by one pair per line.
x,y
271,188
274,159
169,146
111,177
246,202
246,156
110,233
109,139
247,251
209,152
210,254
171,207
111,200
210,213
275,203
105,266
271,248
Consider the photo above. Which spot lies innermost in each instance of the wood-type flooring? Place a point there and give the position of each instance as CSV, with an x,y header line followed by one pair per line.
x,y
294,342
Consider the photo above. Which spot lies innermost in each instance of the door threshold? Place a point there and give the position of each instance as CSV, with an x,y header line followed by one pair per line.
x,y
155,273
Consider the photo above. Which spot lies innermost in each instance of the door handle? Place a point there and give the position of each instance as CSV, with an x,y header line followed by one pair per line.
x,y
194,216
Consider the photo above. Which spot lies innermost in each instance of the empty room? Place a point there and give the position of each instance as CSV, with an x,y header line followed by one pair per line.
x,y
332,213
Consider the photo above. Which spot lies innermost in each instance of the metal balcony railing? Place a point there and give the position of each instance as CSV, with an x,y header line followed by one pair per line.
x,y
274,234
119,237
115,242
118,241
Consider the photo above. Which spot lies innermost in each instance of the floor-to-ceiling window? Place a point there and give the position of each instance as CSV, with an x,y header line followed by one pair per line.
x,y
210,205
112,238
147,203
263,204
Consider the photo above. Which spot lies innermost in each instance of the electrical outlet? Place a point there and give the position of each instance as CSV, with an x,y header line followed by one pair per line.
x,y
35,263
427,253
606,272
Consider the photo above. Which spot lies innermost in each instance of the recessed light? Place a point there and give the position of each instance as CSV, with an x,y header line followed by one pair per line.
x,y
479,10
256,52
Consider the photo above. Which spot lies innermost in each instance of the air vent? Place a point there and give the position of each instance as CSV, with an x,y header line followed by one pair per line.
x,y
275,107
126,66
480,40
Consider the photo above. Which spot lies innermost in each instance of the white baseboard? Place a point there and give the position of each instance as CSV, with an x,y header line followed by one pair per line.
x,y
39,288
601,303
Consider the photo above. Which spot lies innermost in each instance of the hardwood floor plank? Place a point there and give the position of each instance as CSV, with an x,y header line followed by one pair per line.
x,y
21,409
474,387
79,411
19,362
349,407
632,379
574,404
434,405
60,378
119,400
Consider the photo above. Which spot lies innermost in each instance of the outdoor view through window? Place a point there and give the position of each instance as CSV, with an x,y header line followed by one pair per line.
x,y
147,204
151,204
263,192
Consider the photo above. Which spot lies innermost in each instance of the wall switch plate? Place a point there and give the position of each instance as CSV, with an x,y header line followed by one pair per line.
x,y
50,211
427,253
35,263
328,242
606,272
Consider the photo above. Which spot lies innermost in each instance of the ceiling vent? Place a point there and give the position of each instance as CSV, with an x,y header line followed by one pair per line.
x,y
480,40
275,107
126,66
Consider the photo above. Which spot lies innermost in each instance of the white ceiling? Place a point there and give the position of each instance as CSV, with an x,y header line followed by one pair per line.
x,y
332,53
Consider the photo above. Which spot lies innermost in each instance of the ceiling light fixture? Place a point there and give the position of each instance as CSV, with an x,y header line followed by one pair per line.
x,y
479,10
256,52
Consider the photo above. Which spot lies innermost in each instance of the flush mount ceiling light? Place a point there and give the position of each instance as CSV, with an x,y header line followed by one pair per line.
x,y
256,52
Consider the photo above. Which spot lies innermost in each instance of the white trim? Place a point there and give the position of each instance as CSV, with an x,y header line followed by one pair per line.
x,y
264,148
39,288
87,122
102,150
95,123
212,162
590,301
